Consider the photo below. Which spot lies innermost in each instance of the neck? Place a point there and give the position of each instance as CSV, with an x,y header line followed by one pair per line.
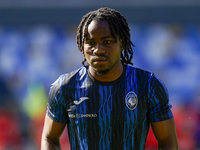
x,y
109,76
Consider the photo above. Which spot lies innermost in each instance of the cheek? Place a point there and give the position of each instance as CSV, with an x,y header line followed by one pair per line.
x,y
87,54
85,50
117,52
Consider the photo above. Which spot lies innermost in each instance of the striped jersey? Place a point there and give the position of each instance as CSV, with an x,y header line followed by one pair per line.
x,y
108,115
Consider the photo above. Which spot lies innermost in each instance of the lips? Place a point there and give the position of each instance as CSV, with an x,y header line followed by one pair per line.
x,y
99,60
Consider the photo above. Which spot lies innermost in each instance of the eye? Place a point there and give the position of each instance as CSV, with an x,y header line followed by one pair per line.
x,y
107,41
90,43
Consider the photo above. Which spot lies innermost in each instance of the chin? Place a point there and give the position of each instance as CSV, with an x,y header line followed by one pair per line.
x,y
102,72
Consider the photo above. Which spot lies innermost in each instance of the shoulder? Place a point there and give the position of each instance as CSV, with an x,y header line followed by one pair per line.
x,y
138,72
68,78
144,76
73,76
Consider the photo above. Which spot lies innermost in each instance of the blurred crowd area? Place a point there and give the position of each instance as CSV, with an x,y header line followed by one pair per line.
x,y
33,57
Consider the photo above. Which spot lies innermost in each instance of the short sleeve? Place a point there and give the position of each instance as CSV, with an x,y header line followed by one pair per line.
x,y
56,106
159,107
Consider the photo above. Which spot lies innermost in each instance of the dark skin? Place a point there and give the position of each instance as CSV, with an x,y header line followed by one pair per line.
x,y
102,53
165,134
51,134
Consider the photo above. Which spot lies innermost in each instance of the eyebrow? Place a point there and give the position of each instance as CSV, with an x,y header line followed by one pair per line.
x,y
105,37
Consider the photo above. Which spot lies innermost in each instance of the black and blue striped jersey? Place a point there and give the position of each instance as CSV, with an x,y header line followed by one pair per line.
x,y
108,115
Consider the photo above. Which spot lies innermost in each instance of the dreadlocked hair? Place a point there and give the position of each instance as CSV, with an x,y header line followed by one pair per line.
x,y
118,26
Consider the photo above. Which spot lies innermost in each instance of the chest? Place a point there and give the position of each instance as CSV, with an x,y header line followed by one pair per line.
x,y
108,105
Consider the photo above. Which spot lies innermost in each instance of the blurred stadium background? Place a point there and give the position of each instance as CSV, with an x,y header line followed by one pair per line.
x,y
38,44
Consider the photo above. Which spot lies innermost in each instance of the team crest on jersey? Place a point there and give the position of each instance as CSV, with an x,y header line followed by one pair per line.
x,y
131,100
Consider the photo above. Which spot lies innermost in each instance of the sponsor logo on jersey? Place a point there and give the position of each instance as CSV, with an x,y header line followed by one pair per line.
x,y
82,115
80,100
131,100
74,105
78,115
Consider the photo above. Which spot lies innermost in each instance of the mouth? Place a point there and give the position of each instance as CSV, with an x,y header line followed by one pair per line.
x,y
99,60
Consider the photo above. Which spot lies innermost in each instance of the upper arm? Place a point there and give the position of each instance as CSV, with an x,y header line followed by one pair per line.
x,y
165,134
52,130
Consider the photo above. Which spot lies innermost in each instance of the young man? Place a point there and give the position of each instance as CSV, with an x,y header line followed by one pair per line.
x,y
107,103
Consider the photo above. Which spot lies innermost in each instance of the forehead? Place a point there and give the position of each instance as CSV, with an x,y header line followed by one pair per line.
x,y
98,24
98,28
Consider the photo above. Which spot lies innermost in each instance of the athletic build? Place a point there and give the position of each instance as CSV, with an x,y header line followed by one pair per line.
x,y
108,104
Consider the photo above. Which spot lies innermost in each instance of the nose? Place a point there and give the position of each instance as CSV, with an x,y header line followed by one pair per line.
x,y
99,49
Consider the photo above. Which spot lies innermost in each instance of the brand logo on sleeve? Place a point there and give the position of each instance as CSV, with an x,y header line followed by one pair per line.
x,y
131,100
